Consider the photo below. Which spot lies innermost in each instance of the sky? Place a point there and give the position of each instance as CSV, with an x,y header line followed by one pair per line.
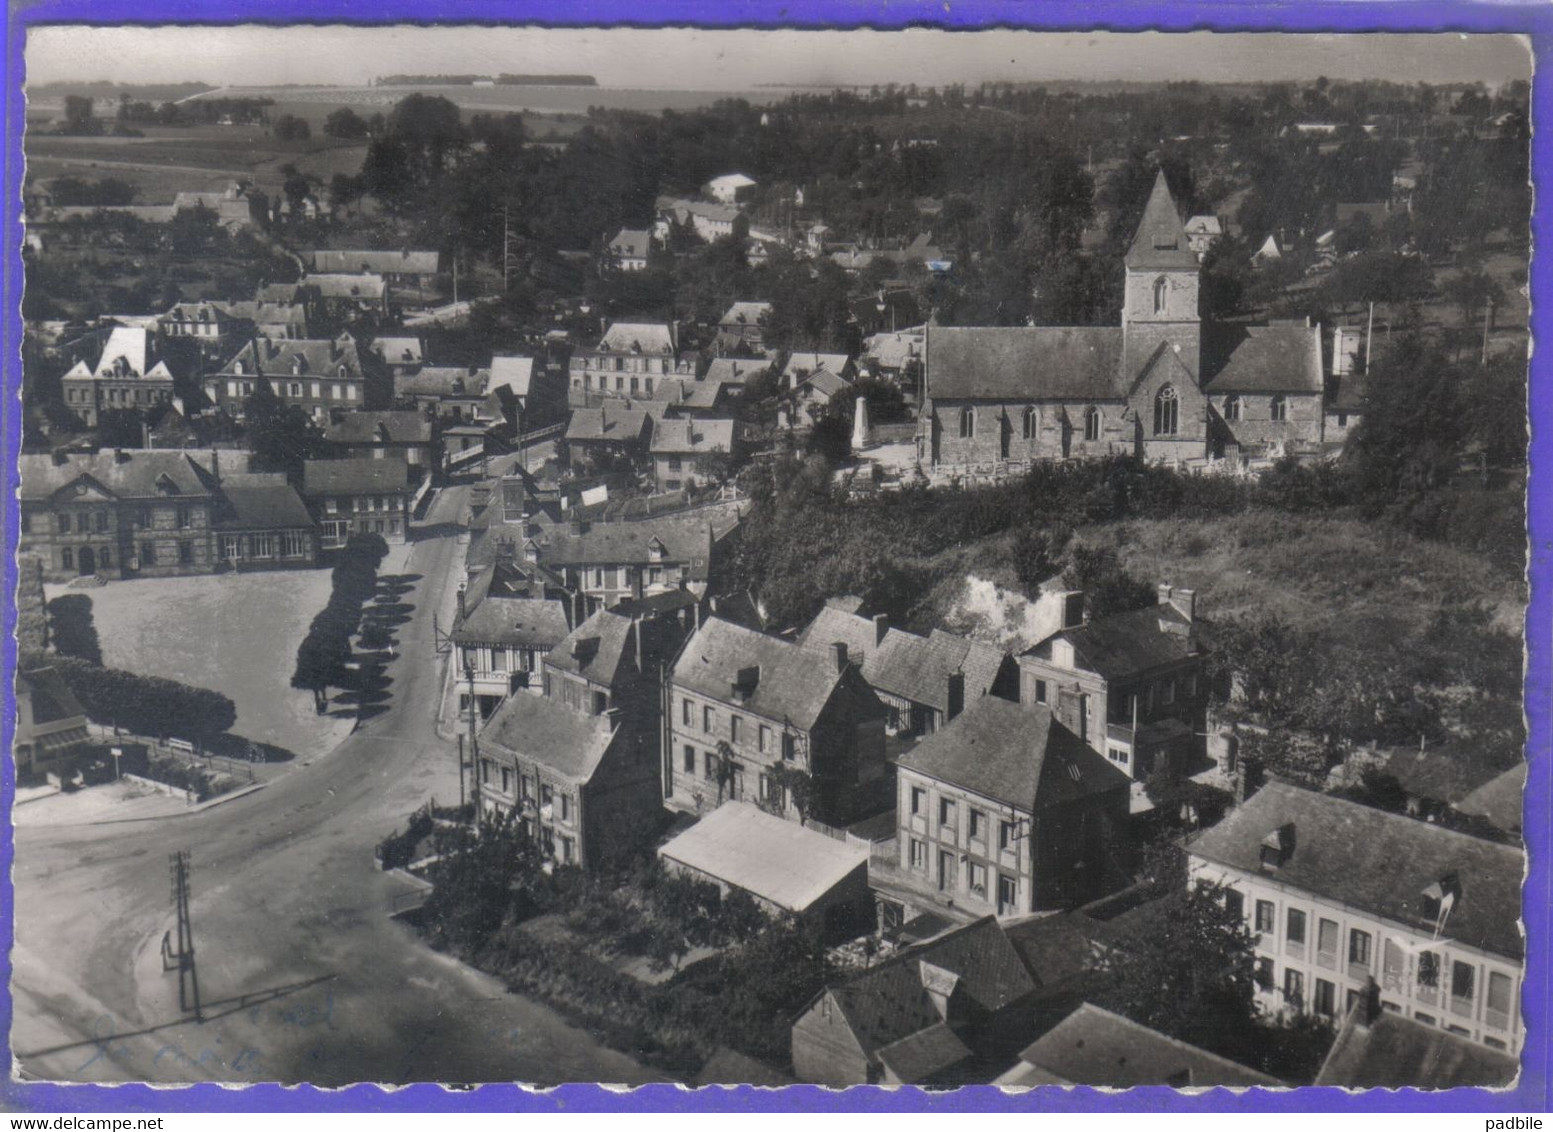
x,y
252,55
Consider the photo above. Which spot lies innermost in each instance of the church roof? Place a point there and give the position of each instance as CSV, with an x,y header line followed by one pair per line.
x,y
1261,359
1161,238
1025,363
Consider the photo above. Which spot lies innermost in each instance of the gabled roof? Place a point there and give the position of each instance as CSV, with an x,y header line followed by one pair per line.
x,y
398,351
692,437
569,742
1377,862
1025,363
1160,242
134,345
1205,225
381,426
136,473
732,180
1015,754
684,540
331,286
1093,1046
52,699
1502,800
277,357
746,314
1443,774
611,421
791,684
522,622
838,620
888,1002
380,262
441,381
825,383
773,859
812,362
1393,1052
733,371
916,668
513,372
920,1057
262,501
598,649
1261,359
982,663
631,243
639,338
262,313
354,477
1125,644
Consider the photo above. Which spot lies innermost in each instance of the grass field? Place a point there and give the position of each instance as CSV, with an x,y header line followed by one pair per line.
x,y
233,633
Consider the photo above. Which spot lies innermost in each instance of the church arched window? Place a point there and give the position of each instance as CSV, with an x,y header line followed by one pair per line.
x,y
1161,288
1091,423
967,423
1232,407
1280,408
1167,412
1031,423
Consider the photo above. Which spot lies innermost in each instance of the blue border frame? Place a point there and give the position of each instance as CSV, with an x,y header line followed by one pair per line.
x,y
1535,20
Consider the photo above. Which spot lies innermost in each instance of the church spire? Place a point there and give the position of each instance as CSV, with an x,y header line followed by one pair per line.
x,y
1160,242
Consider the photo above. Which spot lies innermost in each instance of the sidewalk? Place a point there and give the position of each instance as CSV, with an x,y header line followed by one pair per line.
x,y
115,802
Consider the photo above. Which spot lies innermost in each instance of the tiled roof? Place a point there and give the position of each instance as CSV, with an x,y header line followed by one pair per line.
x,y
568,742
1025,363
399,426
441,381
354,477
1393,1052
792,683
379,262
769,857
262,501
597,649
1015,754
1261,359
1125,644
1095,1047
611,421
139,474
695,437
1377,862
888,1002
524,622
921,1056
1160,242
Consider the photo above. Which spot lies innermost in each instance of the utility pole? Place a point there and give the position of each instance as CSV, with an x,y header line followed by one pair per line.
x,y
474,743
461,771
182,960
1488,320
1369,337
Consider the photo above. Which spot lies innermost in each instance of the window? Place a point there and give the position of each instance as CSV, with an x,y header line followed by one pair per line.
x,y
64,524
1040,691
148,554
1031,424
918,800
293,544
690,760
1280,408
1499,989
506,780
102,520
1326,998
711,767
1116,755
763,739
1091,423
1296,926
1232,407
1294,988
945,812
1264,916
918,854
67,558
1326,943
708,716
105,557
733,728
967,423
1167,412
1463,976
185,553
546,794
789,750
83,522
1161,292
1359,948
687,713
1428,969
976,878
1234,903
568,850
1422,1018
1342,420
978,830
566,807
183,516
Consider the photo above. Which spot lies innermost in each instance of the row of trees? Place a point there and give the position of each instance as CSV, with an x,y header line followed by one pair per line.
x,y
143,705
325,653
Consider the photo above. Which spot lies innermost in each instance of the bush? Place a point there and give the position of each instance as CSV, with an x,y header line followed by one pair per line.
x,y
72,630
146,705
398,849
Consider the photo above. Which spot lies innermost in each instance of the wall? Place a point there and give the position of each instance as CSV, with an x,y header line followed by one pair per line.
x,y
825,1051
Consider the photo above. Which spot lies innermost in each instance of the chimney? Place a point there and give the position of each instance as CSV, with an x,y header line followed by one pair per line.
x,y
120,456
215,464
1223,748
461,610
1185,602
838,652
881,627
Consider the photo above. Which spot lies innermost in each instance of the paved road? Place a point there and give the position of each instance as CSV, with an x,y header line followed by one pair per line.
x,y
305,977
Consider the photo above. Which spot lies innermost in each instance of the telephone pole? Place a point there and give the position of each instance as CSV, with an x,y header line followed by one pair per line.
x,y
183,958
474,745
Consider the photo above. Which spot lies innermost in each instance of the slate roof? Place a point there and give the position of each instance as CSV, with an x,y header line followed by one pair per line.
x,y
441,381
1206,225
1125,644
916,668
888,1002
320,357
513,372
825,383
838,620
1093,1046
400,426
1377,862
771,858
685,540
611,421
596,649
134,345
793,684
1443,774
983,662
1502,800
693,437
268,313
631,243
1015,754
52,699
141,474
399,351
1025,363
1393,1052
683,208
1160,242
354,477
812,362
893,349
262,501
639,338
331,286
523,622
378,262
746,314
733,371
571,743
922,1056
1261,359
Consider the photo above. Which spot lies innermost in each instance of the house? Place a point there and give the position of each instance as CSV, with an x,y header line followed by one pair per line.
x,y
629,248
730,188
813,394
896,357
627,359
261,523
539,393
398,354
127,375
449,394
1346,394
929,1015
710,222
578,764
1345,901
324,376
1006,810
1163,385
615,430
344,297
211,324
502,632
757,718
404,435
405,268
1381,1049
611,562
270,319
785,868
150,512
732,373
743,328
1092,1046
692,453
679,397
801,364
1501,801
1202,232
357,497
50,723
1133,685
923,681
235,209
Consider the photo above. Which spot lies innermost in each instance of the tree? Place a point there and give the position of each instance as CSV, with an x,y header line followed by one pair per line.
x,y
345,123
71,628
145,705
281,436
78,115
288,127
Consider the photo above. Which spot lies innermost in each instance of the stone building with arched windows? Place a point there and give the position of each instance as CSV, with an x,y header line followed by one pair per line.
x,y
1162,385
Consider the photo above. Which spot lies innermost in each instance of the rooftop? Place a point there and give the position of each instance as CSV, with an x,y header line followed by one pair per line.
x,y
568,742
639,338
386,426
382,262
693,437
134,473
1282,358
779,861
262,501
522,622
355,476
1126,644
1160,242
1393,1052
1025,363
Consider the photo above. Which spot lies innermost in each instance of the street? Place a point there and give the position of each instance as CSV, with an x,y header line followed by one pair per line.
x,y
303,975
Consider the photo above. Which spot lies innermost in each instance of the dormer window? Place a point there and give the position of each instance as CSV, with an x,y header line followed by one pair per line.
x,y
1278,847
239,367
1437,899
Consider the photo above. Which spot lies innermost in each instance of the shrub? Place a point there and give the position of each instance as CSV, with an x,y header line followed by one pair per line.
x,y
72,630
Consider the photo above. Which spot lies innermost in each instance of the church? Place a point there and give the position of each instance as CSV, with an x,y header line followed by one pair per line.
x,y
1164,385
